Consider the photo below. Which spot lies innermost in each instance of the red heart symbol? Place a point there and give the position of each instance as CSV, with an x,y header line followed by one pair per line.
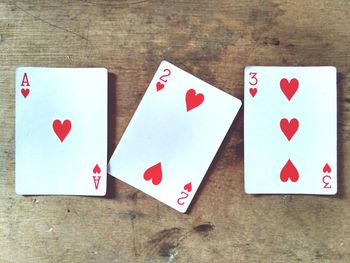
x,y
289,172
253,91
327,168
289,87
62,129
25,92
154,173
159,86
289,128
188,187
96,169
193,100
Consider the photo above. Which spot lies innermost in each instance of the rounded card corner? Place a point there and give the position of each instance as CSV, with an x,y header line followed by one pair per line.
x,y
104,192
183,211
18,192
247,191
239,102
334,69
163,62
18,69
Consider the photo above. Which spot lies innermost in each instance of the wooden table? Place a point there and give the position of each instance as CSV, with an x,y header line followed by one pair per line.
x,y
214,40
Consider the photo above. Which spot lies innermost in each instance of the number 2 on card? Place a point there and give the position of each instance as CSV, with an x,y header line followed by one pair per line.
x,y
163,77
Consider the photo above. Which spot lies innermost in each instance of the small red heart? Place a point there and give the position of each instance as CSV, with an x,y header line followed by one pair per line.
x,y
253,91
159,86
289,171
96,169
154,173
327,168
289,128
25,92
289,87
188,187
62,129
193,100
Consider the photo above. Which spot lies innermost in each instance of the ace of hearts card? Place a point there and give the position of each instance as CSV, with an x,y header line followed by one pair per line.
x,y
61,131
290,130
173,136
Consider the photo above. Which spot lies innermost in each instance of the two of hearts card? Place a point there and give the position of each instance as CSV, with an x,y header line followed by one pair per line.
x,y
173,136
290,139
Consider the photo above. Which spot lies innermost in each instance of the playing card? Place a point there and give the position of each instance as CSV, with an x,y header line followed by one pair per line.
x,y
290,130
173,136
61,131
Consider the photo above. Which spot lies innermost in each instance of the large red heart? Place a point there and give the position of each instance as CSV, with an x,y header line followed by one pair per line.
x,y
193,100
96,169
25,92
154,173
253,91
289,128
62,129
289,171
327,168
289,87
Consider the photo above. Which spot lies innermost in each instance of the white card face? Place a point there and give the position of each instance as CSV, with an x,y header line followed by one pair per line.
x,y
290,130
173,136
61,131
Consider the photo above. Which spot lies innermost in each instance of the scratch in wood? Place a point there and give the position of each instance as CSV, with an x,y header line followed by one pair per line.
x,y
133,236
48,23
138,2
87,38
158,213
116,4
88,32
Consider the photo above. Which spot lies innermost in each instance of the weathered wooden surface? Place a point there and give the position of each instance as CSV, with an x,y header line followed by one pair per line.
x,y
214,40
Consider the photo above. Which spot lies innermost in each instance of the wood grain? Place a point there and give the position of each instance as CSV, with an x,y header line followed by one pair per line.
x,y
214,40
